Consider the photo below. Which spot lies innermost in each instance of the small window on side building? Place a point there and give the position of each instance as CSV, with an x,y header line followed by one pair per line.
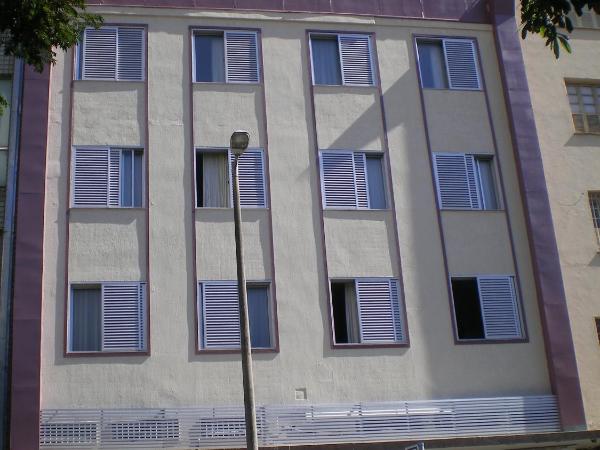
x,y
585,107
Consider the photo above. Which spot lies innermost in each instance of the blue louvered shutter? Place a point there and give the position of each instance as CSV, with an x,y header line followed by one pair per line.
x,y
130,54
251,171
90,177
114,177
337,180
457,181
356,61
100,53
220,315
360,180
461,64
379,310
499,308
123,316
241,57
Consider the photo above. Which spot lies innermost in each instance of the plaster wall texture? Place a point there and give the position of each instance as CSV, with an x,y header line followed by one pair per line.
x,y
174,375
572,168
107,245
477,243
108,113
215,250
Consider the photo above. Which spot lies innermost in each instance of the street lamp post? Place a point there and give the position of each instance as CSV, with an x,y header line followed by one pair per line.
x,y
239,143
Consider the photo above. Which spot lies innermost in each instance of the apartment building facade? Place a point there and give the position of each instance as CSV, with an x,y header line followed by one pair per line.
x,y
566,103
401,285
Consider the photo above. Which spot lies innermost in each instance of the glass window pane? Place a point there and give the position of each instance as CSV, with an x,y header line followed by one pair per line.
x,y
210,57
376,183
432,65
258,311
214,179
488,189
3,169
326,60
126,170
86,323
5,91
138,178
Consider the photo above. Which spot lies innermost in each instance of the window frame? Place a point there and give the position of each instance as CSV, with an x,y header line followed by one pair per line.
x,y
518,305
79,60
384,173
227,151
578,85
272,311
222,31
143,181
358,345
594,197
496,181
337,34
67,352
442,39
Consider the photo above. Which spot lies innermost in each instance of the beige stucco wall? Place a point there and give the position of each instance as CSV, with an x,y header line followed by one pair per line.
x,y
432,367
572,168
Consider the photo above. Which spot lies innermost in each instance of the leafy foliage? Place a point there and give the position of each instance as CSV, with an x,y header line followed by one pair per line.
x,y
549,19
34,28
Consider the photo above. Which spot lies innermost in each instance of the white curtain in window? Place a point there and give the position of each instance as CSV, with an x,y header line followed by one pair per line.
x,y
215,180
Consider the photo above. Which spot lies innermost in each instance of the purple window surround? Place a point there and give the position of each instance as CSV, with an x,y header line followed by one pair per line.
x,y
28,268
473,11
560,352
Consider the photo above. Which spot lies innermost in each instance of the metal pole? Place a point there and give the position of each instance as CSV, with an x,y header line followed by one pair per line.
x,y
249,409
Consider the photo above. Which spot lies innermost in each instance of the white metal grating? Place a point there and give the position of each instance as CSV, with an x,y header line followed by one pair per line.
x,y
222,427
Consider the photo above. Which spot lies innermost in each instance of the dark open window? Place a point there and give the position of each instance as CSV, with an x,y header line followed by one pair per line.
x,y
345,312
467,308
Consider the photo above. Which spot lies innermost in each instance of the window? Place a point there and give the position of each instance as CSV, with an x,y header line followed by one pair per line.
x,y
219,320
107,177
465,181
352,180
107,317
111,53
595,207
486,308
585,107
597,320
213,175
589,19
448,63
225,57
366,311
341,59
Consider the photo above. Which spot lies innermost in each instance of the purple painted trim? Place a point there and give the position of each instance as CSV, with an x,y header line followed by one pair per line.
x,y
268,185
560,351
521,298
505,211
315,137
29,263
438,210
146,148
473,11
388,164
272,284
392,210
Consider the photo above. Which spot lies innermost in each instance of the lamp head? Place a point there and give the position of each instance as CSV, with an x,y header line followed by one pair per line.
x,y
239,142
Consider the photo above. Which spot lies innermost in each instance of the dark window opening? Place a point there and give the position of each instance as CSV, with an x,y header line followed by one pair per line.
x,y
345,313
326,60
86,320
209,59
467,308
432,64
212,180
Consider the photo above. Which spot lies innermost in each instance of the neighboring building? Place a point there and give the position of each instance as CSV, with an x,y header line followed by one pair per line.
x,y
404,279
565,94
